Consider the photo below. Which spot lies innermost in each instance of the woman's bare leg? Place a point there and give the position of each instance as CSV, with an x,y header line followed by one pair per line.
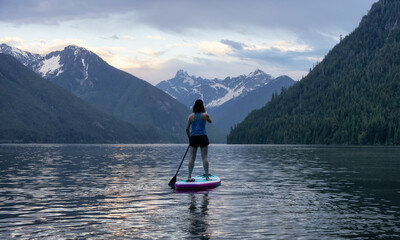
x,y
204,156
193,152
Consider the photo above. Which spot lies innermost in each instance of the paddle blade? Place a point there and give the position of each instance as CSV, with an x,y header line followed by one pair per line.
x,y
172,182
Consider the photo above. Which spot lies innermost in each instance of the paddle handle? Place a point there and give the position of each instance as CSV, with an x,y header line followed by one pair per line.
x,y
182,160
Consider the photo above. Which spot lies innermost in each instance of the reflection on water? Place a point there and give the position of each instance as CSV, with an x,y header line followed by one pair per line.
x,y
198,211
268,192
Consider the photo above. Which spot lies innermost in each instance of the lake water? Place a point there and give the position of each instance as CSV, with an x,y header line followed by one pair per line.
x,y
267,192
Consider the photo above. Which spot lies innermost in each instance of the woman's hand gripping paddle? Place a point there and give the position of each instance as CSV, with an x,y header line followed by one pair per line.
x,y
173,180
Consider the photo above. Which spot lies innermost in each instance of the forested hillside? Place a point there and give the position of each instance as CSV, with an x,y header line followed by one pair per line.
x,y
351,97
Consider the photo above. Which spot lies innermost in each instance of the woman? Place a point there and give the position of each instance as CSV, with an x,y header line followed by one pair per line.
x,y
198,136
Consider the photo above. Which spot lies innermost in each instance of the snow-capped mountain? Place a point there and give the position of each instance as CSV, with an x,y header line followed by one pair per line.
x,y
214,92
53,64
25,58
69,68
229,100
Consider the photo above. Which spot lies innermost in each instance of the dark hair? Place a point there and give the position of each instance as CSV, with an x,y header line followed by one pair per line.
x,y
198,106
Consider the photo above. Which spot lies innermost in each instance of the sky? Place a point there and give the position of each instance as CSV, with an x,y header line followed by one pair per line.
x,y
153,39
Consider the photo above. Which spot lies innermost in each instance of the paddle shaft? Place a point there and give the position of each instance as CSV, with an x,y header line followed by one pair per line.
x,y
173,180
182,161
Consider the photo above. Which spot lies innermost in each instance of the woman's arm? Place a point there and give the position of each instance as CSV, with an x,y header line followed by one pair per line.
x,y
205,117
208,118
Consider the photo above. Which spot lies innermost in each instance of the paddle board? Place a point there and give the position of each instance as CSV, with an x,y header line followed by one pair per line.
x,y
199,183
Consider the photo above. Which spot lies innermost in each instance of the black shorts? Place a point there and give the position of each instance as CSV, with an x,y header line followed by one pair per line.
x,y
198,141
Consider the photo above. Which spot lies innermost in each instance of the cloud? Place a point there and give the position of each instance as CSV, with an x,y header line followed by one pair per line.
x,y
58,44
11,40
151,52
283,46
155,73
288,56
114,37
184,15
120,61
181,16
56,11
115,57
318,23
289,60
213,48
233,44
179,45
41,46
155,37
126,37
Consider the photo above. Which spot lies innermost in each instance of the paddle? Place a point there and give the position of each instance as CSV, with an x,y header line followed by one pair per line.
x,y
173,180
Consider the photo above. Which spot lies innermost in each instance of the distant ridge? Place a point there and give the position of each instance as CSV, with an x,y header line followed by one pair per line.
x,y
228,100
214,92
351,97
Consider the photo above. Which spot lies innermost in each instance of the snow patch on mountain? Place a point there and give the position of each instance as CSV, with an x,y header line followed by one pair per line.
x,y
85,69
50,66
189,80
18,52
170,94
197,91
76,51
232,93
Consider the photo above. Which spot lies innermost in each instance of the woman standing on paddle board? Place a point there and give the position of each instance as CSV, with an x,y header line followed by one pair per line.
x,y
198,136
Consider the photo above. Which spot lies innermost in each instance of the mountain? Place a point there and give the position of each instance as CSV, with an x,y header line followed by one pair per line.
x,y
227,100
33,109
214,92
235,110
351,97
24,57
113,91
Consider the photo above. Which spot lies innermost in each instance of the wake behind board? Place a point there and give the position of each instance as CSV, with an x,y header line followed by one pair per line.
x,y
199,183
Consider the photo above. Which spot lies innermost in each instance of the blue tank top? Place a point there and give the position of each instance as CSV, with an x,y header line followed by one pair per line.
x,y
198,126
